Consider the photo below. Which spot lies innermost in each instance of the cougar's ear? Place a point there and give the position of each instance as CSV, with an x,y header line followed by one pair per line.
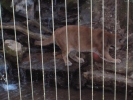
x,y
122,35
120,40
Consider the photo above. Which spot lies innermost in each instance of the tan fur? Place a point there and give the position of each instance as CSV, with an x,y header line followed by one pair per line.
x,y
85,42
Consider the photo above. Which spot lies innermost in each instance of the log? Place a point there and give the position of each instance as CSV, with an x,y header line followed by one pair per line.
x,y
34,22
109,72
109,79
21,28
121,67
48,60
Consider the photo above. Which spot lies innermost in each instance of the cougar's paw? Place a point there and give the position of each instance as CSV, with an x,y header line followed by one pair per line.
x,y
118,61
81,60
68,64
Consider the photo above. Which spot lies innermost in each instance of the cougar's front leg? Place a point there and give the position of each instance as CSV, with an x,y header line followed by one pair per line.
x,y
109,58
73,56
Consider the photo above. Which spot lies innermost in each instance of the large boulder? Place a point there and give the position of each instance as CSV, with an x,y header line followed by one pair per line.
x,y
19,7
12,48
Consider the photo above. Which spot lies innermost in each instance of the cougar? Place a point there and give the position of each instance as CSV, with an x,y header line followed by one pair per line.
x,y
85,42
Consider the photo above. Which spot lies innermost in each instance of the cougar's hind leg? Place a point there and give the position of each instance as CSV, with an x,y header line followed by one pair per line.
x,y
63,48
64,55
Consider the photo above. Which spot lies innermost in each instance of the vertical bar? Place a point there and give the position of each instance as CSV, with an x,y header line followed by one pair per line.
x,y
14,20
29,49
67,49
4,53
115,47
54,47
127,48
103,44
91,49
79,50
41,48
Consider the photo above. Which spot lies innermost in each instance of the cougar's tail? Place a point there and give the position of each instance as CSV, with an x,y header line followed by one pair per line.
x,y
45,42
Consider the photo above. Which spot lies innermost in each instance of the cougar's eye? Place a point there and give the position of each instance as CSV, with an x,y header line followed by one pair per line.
x,y
120,40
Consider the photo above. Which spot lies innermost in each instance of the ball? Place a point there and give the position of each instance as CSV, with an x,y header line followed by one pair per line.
x,y
97,58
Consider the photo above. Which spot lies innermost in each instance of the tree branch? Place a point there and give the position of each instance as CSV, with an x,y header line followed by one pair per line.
x,y
23,29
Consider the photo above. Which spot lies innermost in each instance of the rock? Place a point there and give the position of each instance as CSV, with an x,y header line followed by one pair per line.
x,y
8,87
20,7
71,4
48,60
85,15
3,69
49,68
74,2
6,4
122,13
75,80
109,72
109,79
10,48
121,67
109,15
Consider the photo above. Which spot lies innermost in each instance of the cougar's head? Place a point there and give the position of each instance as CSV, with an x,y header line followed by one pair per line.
x,y
119,42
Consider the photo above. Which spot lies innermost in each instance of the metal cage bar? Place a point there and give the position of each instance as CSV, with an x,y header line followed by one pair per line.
x,y
127,48
27,22
79,49
103,44
14,20
67,50
54,48
40,22
115,47
91,1
8,94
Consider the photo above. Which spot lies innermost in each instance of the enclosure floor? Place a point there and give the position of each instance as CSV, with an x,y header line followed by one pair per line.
x,y
62,94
